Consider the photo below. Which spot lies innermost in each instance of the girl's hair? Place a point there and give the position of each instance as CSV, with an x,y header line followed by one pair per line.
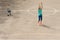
x,y
39,8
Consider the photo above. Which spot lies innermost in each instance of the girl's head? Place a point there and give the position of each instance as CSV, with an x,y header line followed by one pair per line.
x,y
39,7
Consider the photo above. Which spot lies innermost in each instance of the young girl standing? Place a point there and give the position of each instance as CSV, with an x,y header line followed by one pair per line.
x,y
40,14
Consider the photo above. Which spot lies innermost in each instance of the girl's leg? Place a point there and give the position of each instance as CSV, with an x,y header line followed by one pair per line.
x,y
40,20
8,14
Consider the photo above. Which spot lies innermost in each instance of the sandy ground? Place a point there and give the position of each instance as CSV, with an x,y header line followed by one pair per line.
x,y
23,24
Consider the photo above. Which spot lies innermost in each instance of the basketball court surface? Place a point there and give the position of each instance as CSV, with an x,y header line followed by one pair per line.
x,y
23,24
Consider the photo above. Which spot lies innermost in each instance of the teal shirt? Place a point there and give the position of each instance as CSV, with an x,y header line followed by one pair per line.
x,y
39,12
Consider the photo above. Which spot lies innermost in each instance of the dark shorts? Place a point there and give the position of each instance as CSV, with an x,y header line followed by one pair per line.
x,y
40,18
9,11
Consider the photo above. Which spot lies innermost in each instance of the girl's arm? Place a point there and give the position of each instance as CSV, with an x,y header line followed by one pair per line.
x,y
41,5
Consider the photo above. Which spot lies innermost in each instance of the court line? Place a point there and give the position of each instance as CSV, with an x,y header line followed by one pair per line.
x,y
53,10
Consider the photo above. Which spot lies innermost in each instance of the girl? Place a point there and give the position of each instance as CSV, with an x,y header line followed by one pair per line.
x,y
40,14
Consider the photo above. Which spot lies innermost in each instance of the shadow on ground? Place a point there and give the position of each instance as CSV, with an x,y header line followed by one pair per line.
x,y
46,26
